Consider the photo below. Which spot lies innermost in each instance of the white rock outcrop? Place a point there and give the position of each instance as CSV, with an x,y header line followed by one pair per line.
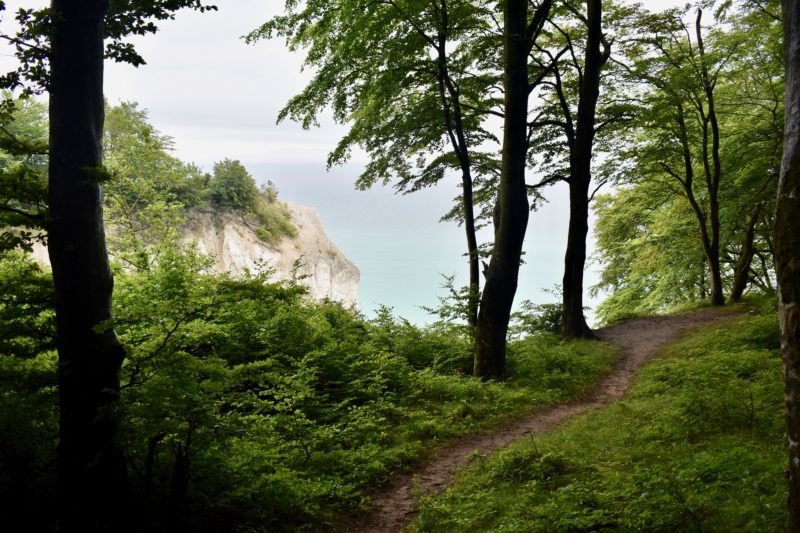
x,y
234,246
310,256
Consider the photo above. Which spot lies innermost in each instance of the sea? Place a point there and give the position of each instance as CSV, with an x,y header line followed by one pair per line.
x,y
404,251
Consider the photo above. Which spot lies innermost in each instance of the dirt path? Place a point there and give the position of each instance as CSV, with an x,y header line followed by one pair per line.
x,y
640,339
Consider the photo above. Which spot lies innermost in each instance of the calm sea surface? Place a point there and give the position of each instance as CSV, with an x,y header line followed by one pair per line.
x,y
401,247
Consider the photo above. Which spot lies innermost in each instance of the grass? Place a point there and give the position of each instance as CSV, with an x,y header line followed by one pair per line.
x,y
697,445
543,371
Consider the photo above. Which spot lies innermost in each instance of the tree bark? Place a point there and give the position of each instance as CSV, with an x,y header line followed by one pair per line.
x,y
787,253
511,211
573,323
472,250
741,274
91,467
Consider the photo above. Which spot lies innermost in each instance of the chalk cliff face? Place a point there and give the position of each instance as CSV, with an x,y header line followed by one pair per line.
x,y
323,269
310,256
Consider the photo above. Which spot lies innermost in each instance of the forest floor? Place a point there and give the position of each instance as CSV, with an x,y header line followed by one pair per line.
x,y
394,506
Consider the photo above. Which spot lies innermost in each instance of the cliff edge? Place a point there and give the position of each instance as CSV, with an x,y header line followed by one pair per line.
x,y
310,255
234,245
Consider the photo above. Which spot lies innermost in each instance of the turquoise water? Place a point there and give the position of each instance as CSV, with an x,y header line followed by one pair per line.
x,y
401,247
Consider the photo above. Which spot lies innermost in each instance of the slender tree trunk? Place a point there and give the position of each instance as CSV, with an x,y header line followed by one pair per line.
x,y
91,467
472,250
741,273
787,253
710,250
703,292
176,510
511,212
573,323
717,295
451,106
713,171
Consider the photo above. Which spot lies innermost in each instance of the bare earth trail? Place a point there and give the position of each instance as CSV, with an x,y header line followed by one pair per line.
x,y
640,339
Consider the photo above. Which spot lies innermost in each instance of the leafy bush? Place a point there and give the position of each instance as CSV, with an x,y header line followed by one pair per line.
x,y
232,186
246,405
535,319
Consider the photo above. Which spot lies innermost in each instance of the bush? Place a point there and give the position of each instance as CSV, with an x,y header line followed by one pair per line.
x,y
232,187
247,406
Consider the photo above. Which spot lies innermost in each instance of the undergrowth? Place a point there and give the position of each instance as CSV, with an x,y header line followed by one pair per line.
x,y
697,445
247,407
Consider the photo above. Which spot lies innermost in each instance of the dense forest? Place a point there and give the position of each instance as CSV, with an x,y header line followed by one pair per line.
x,y
141,391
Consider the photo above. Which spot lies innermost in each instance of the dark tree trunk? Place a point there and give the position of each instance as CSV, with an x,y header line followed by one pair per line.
x,y
180,488
710,249
787,253
152,445
713,170
573,323
511,212
91,468
451,105
717,296
472,250
741,273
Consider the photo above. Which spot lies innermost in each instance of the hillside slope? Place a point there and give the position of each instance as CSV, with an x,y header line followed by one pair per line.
x,y
697,444
235,246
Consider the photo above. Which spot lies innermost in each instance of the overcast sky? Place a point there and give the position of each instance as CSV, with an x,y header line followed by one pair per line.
x,y
219,98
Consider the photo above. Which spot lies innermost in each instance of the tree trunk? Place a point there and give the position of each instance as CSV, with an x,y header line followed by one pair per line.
x,y
717,295
573,323
458,139
710,249
176,510
787,253
741,272
91,467
472,250
511,212
713,172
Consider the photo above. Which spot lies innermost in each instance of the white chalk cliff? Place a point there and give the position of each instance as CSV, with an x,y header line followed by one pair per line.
x,y
323,269
310,255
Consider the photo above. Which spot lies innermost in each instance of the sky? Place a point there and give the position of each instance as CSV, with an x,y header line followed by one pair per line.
x,y
219,98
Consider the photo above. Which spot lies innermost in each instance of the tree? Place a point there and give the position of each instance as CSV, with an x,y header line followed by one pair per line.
x,y
647,246
91,466
573,323
149,189
232,186
413,79
585,102
61,49
511,210
647,231
417,81
685,74
753,96
787,252
23,172
566,132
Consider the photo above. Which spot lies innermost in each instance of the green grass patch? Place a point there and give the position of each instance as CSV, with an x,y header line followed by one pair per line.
x,y
697,445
